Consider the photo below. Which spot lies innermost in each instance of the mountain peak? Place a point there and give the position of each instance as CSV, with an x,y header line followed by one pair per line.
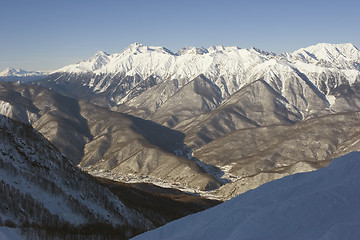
x,y
340,47
101,53
262,52
99,56
329,52
216,48
99,60
8,71
136,47
13,72
192,50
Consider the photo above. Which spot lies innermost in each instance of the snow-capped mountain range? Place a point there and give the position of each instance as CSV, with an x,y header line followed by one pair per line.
x,y
308,81
213,62
12,72
204,95
230,68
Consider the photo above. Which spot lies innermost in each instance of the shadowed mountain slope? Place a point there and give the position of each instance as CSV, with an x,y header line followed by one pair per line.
x,y
40,188
106,143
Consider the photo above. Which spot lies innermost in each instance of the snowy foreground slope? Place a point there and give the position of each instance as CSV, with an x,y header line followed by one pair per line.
x,y
324,204
7,233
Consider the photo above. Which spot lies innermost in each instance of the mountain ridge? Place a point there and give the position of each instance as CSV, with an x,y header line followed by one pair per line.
x,y
123,76
325,51
13,72
233,89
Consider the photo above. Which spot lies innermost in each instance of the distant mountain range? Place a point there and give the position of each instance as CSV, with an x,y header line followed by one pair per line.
x,y
120,78
215,121
200,124
12,74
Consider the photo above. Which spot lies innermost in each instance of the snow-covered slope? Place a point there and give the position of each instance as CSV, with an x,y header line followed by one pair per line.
x,y
324,204
335,55
40,187
7,233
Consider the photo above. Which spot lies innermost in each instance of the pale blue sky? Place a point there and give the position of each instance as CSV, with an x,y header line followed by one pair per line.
x,y
49,34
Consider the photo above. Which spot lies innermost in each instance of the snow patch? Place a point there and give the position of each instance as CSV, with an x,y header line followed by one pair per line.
x,y
331,99
7,233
